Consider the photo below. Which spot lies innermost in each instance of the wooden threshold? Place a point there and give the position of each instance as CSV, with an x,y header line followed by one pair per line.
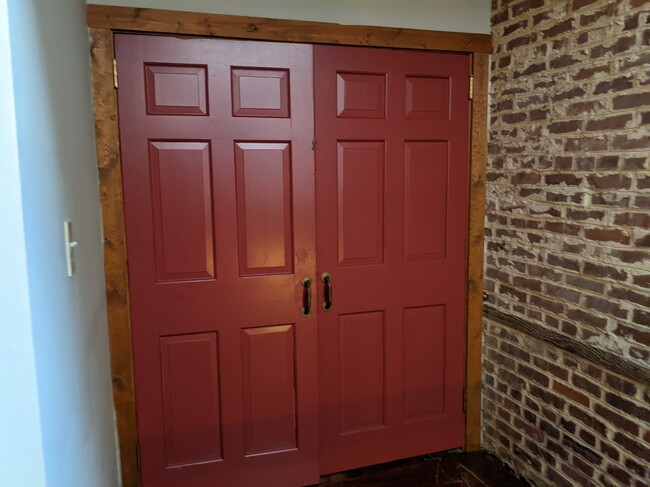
x,y
237,27
104,20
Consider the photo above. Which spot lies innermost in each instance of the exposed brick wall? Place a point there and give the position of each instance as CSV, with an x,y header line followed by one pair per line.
x,y
569,173
568,232
559,420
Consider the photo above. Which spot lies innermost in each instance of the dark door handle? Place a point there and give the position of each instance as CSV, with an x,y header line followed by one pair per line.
x,y
329,291
306,297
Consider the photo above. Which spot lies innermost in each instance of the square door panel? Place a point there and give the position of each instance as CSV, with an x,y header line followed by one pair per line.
x,y
260,92
360,95
427,98
176,89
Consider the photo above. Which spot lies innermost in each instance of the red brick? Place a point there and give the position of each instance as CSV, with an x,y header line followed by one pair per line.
x,y
610,123
618,84
571,393
607,235
636,100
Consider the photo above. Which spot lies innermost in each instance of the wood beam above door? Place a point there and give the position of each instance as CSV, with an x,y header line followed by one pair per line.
x,y
238,27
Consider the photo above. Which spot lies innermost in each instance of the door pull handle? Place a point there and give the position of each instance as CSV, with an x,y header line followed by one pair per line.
x,y
329,291
306,297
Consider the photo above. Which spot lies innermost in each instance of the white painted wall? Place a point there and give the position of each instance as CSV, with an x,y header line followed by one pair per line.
x,y
21,454
446,15
66,318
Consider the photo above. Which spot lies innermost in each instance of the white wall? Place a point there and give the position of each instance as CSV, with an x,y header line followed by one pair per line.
x,y
21,455
446,15
59,180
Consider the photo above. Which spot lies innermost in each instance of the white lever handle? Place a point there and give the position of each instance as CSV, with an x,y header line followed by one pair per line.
x,y
69,246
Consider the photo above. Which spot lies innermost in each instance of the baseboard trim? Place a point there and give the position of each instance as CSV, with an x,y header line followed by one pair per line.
x,y
603,358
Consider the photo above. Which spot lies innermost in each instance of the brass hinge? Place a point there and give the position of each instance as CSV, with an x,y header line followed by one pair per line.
x,y
115,73
137,454
471,86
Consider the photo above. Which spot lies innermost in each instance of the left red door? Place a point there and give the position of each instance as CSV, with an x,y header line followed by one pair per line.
x,y
219,208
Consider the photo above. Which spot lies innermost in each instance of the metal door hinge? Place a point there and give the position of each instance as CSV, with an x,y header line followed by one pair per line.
x,y
314,144
115,73
137,454
471,86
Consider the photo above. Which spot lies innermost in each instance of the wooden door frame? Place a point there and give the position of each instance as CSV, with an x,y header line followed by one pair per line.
x,y
103,21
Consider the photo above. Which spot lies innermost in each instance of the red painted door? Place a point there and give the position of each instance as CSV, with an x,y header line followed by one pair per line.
x,y
392,187
218,178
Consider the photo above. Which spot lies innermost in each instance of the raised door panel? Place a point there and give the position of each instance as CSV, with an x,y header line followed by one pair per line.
x,y
361,95
263,173
182,210
427,97
269,389
190,382
176,89
425,199
361,369
424,362
361,202
260,92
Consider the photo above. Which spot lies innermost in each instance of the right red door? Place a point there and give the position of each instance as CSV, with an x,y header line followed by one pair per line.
x,y
392,166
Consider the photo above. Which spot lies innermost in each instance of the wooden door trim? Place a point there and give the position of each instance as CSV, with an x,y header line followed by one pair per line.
x,y
476,231
107,133
238,27
104,20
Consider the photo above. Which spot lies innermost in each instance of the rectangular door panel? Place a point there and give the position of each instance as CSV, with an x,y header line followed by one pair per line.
x,y
362,371
182,209
190,381
263,173
425,199
269,389
424,362
361,202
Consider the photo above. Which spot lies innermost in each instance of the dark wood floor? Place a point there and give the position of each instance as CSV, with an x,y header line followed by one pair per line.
x,y
450,469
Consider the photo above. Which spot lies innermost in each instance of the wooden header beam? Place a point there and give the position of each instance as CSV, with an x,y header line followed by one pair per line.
x,y
236,27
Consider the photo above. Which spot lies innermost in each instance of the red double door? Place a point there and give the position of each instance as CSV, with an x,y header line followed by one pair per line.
x,y
263,184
